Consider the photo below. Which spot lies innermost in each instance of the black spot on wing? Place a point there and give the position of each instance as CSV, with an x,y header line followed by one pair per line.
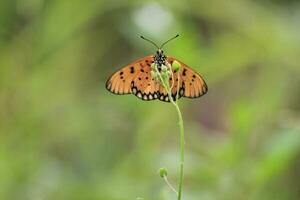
x,y
184,72
132,69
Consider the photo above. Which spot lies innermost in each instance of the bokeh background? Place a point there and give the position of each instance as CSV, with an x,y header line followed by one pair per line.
x,y
63,136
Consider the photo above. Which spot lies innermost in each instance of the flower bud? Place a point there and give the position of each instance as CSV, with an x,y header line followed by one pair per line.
x,y
164,68
163,172
176,65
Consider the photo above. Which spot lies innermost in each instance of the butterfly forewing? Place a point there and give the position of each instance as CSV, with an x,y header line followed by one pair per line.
x,y
121,81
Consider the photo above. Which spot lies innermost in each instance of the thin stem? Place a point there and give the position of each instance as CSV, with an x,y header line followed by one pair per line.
x,y
170,185
181,127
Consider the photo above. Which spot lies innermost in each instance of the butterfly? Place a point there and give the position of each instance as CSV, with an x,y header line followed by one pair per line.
x,y
136,78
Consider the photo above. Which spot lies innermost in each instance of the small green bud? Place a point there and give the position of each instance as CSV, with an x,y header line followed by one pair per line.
x,y
164,68
163,172
176,65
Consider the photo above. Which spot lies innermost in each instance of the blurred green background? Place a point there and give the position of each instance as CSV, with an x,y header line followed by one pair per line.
x,y
63,136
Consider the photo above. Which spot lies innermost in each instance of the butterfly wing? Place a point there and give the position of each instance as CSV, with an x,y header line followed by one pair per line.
x,y
144,86
134,78
190,83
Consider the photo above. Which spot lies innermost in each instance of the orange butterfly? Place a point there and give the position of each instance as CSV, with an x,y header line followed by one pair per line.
x,y
136,78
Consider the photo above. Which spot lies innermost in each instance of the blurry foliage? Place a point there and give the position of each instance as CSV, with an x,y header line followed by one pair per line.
x,y
63,136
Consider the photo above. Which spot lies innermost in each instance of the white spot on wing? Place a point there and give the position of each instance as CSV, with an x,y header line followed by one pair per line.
x,y
134,90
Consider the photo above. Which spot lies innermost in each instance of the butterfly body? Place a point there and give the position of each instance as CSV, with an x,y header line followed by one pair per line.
x,y
136,79
160,58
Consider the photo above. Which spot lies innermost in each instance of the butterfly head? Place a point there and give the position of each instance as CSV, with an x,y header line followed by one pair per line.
x,y
159,57
159,53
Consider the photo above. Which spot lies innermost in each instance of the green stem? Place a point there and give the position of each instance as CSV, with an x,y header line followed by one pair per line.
x,y
181,127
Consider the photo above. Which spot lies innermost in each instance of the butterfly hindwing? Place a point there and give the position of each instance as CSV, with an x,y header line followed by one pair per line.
x,y
175,82
144,86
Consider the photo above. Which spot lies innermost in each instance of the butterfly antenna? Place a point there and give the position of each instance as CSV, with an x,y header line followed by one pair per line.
x,y
169,40
149,41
